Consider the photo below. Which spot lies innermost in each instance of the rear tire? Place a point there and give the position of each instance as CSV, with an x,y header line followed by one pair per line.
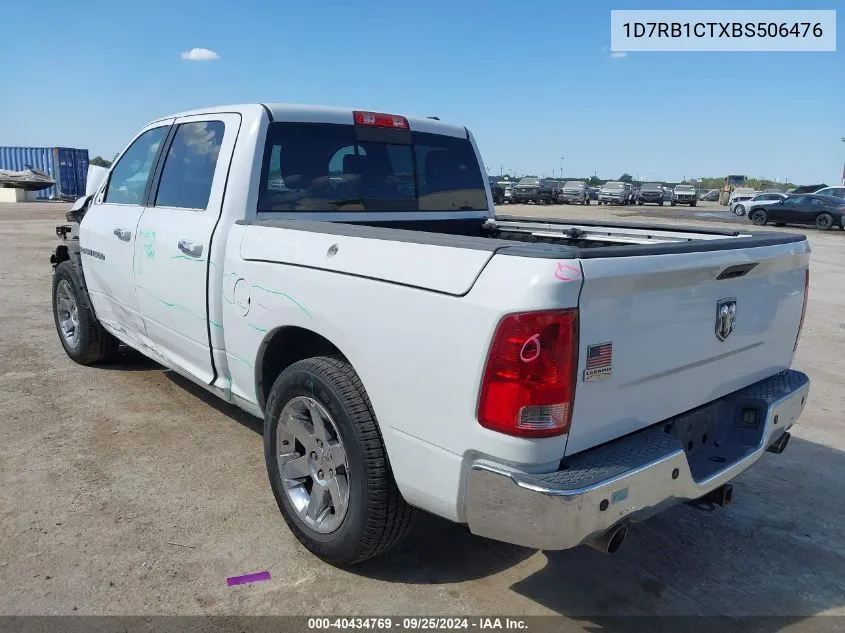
x,y
375,517
82,336
824,221
759,217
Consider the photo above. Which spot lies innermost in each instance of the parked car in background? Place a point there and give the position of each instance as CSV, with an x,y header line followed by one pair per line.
x,y
741,193
594,193
508,190
808,188
497,190
711,195
532,190
684,194
650,193
574,192
632,193
613,193
823,212
740,206
836,192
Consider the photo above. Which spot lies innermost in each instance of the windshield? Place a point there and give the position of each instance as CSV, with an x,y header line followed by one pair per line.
x,y
317,167
684,188
652,186
533,182
613,185
573,184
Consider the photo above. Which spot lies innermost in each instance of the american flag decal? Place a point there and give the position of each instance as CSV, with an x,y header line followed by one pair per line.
x,y
599,362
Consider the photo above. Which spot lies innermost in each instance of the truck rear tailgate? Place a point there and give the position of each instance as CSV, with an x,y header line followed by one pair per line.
x,y
653,344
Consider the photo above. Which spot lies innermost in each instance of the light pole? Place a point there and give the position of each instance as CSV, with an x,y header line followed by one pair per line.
x,y
561,165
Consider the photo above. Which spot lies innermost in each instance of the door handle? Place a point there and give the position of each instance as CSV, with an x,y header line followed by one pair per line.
x,y
123,234
192,249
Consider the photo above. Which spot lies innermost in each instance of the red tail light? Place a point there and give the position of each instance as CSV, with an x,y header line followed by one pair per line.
x,y
804,308
378,119
528,387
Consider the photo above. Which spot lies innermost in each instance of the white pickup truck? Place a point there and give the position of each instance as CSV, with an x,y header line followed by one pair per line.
x,y
342,275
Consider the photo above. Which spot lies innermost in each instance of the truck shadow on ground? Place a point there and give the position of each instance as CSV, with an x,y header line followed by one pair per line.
x,y
777,551
128,359
230,410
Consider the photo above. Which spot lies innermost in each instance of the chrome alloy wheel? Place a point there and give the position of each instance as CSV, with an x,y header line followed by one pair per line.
x,y
68,313
312,464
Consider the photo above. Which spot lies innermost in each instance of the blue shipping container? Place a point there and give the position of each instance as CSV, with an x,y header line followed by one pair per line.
x,y
67,166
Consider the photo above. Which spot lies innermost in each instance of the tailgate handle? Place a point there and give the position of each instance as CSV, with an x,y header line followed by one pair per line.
x,y
732,272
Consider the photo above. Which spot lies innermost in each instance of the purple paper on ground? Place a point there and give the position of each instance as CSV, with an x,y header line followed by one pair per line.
x,y
246,578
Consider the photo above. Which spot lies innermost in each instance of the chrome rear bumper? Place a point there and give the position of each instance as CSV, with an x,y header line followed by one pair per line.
x,y
634,477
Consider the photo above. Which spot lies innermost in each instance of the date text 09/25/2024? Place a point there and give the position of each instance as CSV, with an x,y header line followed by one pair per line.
x,y
416,624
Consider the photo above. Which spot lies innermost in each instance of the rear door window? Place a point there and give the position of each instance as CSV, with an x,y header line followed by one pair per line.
x,y
190,164
319,167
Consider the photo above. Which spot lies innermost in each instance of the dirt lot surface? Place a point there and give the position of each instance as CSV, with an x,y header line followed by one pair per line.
x,y
125,490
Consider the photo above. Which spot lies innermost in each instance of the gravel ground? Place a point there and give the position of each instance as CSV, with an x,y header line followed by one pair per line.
x,y
126,490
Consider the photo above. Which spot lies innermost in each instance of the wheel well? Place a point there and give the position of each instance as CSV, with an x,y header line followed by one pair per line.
x,y
61,255
284,347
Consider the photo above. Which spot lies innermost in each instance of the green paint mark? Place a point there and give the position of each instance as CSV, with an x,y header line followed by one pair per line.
x,y
259,329
286,296
149,242
239,359
159,299
176,306
193,259
190,259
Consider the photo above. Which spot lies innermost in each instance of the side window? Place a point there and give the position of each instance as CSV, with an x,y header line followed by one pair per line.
x,y
190,164
129,177
839,192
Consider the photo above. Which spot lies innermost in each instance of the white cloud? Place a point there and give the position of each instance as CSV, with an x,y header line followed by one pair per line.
x,y
618,54
200,55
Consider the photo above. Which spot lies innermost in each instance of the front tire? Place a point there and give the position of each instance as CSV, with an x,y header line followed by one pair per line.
x,y
327,464
759,217
739,210
83,338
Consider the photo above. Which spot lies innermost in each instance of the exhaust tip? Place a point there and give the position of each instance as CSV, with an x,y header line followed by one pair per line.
x,y
780,444
616,539
610,541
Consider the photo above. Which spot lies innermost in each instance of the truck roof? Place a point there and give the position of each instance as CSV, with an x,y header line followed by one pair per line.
x,y
303,113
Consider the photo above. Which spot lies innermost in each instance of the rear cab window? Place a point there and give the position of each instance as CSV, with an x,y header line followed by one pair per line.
x,y
324,167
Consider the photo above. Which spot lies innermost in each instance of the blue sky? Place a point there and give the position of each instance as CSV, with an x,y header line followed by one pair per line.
x,y
534,83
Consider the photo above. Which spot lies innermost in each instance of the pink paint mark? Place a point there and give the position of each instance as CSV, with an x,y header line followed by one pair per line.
x,y
561,272
534,342
248,578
